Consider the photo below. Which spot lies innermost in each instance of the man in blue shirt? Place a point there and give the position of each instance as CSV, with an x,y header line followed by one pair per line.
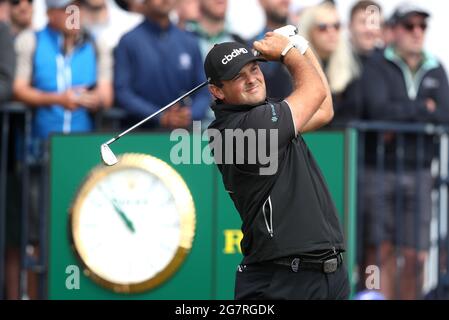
x,y
154,64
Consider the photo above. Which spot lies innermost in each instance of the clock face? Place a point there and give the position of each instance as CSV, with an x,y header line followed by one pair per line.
x,y
133,224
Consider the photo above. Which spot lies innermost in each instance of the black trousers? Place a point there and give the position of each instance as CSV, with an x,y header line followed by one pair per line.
x,y
277,282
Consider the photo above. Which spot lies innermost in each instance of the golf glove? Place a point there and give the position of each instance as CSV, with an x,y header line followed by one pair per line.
x,y
291,32
287,31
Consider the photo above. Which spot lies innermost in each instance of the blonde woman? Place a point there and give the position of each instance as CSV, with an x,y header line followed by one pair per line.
x,y
321,25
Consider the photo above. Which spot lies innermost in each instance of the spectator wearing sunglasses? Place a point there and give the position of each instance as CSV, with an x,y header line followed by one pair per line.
x,y
404,83
21,15
321,25
365,36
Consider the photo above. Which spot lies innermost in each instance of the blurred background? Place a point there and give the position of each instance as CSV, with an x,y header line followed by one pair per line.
x,y
240,23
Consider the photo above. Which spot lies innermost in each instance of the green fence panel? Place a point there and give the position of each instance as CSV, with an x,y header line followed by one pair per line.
x,y
209,270
72,157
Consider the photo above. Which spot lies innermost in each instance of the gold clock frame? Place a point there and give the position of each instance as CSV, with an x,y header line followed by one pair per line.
x,y
184,204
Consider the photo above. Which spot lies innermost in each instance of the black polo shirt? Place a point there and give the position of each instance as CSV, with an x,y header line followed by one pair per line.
x,y
287,211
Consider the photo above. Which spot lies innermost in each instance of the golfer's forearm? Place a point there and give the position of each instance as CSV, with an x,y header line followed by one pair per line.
x,y
325,112
309,91
327,104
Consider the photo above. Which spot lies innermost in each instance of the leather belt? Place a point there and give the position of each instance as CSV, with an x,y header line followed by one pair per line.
x,y
328,265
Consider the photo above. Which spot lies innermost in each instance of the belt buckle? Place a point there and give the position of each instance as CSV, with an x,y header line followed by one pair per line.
x,y
330,266
295,265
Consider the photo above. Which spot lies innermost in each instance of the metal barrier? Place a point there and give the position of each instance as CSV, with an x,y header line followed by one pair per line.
x,y
6,110
437,262
384,166
109,119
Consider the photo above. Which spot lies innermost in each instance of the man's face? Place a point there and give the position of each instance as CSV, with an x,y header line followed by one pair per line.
x,y
246,88
409,34
94,12
276,10
364,36
159,8
188,10
65,19
215,9
21,12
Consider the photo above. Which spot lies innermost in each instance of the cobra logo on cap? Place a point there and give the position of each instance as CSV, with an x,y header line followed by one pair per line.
x,y
235,53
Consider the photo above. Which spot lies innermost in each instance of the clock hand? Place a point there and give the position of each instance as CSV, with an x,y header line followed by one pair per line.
x,y
120,212
122,215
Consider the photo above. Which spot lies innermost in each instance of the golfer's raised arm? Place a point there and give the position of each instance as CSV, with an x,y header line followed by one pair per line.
x,y
325,112
309,91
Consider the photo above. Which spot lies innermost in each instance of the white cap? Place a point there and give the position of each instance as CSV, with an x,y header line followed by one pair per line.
x,y
404,9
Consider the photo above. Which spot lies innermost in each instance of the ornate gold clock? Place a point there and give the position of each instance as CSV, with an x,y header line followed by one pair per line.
x,y
132,225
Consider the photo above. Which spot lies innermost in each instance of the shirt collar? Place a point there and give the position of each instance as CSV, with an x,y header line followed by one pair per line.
x,y
156,28
58,37
222,109
429,61
195,27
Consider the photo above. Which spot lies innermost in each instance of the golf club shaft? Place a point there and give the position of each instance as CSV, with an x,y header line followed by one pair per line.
x,y
157,112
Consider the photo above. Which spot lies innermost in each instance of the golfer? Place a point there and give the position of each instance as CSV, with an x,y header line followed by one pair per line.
x,y
292,239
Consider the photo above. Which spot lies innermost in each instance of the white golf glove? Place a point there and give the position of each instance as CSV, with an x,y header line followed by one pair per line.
x,y
287,31
291,32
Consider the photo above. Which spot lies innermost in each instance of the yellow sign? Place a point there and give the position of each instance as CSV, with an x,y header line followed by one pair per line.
x,y
232,240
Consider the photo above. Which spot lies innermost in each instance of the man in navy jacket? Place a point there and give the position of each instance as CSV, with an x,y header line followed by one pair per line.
x,y
155,63
403,83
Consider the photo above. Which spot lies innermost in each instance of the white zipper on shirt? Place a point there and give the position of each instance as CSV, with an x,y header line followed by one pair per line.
x,y
64,82
67,121
68,81
269,224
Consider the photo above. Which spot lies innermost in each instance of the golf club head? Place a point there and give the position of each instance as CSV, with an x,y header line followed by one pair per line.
x,y
107,155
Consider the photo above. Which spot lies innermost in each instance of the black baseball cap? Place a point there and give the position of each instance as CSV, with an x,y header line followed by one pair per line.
x,y
404,10
225,60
